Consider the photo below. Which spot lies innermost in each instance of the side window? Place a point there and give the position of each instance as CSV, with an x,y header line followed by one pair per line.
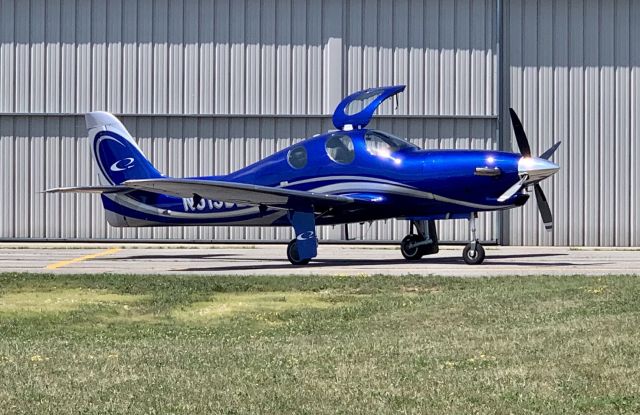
x,y
340,148
297,157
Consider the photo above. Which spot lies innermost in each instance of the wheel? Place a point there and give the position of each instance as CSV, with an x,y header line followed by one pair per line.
x,y
429,249
292,254
473,257
411,254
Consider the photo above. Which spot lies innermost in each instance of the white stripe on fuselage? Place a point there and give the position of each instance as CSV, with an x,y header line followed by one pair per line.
x,y
350,187
230,217
131,203
343,178
357,184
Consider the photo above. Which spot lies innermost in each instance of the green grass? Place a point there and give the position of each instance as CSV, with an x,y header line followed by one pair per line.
x,y
157,344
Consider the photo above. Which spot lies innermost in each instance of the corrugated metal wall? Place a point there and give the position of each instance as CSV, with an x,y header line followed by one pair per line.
x,y
244,56
39,152
167,65
574,75
284,63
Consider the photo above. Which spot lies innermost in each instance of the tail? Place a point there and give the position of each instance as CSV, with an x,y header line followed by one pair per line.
x,y
116,154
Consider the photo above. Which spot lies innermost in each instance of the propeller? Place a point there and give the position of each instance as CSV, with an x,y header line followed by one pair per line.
x,y
521,137
547,154
513,189
532,170
543,207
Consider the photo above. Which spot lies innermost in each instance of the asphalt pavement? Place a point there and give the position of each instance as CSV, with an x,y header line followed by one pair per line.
x,y
236,259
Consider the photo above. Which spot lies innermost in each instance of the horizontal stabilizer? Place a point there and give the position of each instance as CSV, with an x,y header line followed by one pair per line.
x,y
89,189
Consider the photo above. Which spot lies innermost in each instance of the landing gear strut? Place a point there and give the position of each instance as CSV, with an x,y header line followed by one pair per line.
x,y
425,242
473,252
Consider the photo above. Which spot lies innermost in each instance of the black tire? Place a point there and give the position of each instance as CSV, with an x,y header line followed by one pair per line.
x,y
429,249
475,259
292,254
411,254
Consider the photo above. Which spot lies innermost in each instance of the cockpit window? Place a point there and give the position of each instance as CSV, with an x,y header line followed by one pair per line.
x,y
340,148
384,144
297,157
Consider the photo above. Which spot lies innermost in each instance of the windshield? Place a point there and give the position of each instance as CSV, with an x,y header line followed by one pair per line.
x,y
382,144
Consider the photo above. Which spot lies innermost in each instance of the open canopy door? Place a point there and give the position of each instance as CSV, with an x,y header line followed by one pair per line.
x,y
357,109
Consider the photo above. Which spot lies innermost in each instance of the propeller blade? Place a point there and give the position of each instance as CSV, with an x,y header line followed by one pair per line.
x,y
521,137
513,189
547,154
543,207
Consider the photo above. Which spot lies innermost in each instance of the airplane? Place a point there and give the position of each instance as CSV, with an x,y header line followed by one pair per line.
x,y
348,175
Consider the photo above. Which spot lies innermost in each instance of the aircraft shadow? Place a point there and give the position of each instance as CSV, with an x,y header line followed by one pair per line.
x,y
322,263
318,260
191,256
490,255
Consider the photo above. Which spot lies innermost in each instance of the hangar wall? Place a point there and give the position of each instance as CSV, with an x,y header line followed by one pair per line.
x,y
208,87
574,75
221,84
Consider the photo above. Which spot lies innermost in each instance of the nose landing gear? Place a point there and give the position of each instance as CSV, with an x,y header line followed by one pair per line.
x,y
473,252
425,242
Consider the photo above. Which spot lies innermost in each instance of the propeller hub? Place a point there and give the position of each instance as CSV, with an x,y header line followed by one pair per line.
x,y
536,168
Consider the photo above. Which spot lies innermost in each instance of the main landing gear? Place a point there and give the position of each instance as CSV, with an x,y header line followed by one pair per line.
x,y
305,245
425,242
294,256
473,252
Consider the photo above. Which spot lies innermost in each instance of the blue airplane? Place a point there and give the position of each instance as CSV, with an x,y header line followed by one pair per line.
x,y
348,175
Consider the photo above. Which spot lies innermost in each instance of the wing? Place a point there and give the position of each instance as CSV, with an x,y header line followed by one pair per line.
x,y
89,189
240,193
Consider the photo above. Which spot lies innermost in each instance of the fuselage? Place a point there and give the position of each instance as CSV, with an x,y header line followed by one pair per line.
x,y
403,181
351,174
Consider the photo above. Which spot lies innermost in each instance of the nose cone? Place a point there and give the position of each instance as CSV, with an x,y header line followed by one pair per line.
x,y
536,168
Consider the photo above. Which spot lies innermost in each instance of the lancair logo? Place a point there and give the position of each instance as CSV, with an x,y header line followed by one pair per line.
x,y
123,164
306,235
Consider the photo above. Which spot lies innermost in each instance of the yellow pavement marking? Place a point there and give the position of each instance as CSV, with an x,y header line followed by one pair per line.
x,y
82,258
